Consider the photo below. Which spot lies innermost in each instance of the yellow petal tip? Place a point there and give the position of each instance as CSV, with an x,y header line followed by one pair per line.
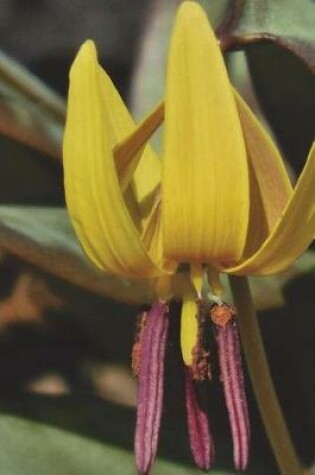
x,y
86,55
189,8
191,14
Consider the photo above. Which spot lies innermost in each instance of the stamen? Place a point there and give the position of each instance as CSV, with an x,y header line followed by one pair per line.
x,y
227,339
197,277
201,440
151,379
217,289
221,314
200,367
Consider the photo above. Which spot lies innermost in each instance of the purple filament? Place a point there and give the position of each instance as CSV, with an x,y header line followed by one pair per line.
x,y
151,380
233,384
201,441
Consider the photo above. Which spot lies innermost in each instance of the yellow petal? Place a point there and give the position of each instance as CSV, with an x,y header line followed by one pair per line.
x,y
270,187
94,198
126,150
189,327
121,125
152,238
205,189
147,172
293,233
132,158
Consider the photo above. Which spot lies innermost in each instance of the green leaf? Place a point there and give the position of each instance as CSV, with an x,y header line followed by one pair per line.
x,y
279,40
30,111
44,237
68,435
288,23
286,92
32,448
31,117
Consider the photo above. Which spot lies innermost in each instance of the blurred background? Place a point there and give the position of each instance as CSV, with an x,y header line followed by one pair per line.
x,y
66,390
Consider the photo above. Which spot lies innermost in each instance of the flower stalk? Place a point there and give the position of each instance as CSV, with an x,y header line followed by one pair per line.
x,y
262,383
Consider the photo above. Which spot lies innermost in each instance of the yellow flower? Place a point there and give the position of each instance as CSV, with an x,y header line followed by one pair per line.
x,y
220,200
225,199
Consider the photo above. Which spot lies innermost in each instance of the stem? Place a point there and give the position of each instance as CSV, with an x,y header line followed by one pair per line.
x,y
262,383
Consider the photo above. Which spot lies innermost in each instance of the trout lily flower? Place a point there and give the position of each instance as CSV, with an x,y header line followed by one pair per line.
x,y
220,200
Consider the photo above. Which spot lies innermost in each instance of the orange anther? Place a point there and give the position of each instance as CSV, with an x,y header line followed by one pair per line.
x,y
221,314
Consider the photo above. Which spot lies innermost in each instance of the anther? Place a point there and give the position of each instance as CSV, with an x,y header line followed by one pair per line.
x,y
222,313
153,337
226,335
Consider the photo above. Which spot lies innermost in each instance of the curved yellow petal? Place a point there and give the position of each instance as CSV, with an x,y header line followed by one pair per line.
x,y
152,237
147,174
293,233
205,189
94,198
270,187
135,165
121,125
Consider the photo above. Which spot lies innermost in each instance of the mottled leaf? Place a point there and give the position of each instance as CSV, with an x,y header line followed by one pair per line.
x,y
288,23
32,448
44,238
285,89
279,40
77,435
30,112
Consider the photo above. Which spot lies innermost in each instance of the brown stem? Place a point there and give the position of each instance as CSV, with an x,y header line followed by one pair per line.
x,y
259,372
